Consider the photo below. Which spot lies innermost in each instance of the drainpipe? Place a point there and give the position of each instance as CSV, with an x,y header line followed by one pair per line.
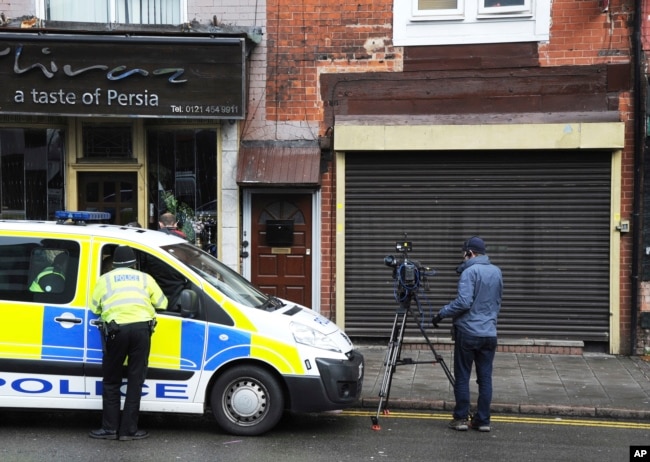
x,y
639,144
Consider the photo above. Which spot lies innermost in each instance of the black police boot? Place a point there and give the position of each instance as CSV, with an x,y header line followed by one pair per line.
x,y
139,435
102,434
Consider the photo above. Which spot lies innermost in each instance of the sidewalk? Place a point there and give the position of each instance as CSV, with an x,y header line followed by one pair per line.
x,y
589,385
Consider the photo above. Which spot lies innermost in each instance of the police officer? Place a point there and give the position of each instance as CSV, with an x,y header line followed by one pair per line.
x,y
51,278
126,299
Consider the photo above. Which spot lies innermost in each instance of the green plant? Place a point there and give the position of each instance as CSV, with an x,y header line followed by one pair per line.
x,y
184,214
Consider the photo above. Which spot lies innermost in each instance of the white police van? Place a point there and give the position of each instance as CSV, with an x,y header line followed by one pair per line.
x,y
222,345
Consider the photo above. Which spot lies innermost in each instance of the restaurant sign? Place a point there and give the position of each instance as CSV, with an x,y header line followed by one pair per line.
x,y
77,75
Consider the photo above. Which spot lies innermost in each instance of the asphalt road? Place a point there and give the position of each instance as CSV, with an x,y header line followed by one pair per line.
x,y
27,436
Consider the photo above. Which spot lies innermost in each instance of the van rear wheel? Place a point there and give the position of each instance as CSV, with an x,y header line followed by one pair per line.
x,y
247,401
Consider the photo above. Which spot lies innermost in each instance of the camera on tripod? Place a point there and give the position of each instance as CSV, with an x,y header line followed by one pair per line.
x,y
408,274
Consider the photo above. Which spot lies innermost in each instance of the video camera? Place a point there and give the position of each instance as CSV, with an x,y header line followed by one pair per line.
x,y
408,274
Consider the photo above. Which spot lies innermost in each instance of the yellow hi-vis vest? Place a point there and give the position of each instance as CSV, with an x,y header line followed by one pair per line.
x,y
36,284
126,295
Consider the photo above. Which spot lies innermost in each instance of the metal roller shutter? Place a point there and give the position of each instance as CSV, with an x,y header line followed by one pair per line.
x,y
544,216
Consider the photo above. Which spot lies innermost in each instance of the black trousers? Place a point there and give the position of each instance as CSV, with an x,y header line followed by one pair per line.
x,y
133,341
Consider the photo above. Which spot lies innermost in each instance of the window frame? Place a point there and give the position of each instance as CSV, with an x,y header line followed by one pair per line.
x,y
437,15
525,9
41,7
477,23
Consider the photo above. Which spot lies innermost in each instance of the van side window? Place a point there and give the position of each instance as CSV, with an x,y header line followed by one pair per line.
x,y
107,258
39,270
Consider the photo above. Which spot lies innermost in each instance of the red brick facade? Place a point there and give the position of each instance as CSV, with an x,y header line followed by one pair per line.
x,y
317,37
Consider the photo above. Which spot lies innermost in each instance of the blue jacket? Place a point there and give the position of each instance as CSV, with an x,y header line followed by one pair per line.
x,y
477,305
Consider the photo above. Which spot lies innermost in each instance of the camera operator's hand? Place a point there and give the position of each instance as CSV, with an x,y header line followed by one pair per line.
x,y
436,320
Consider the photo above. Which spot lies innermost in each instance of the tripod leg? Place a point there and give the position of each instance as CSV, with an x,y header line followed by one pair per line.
x,y
439,359
392,356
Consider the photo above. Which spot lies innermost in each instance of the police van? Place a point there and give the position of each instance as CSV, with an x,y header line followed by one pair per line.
x,y
221,346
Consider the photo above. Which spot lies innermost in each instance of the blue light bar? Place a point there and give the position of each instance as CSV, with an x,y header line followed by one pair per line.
x,y
62,215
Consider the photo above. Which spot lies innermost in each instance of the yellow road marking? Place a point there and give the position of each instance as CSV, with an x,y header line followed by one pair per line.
x,y
509,419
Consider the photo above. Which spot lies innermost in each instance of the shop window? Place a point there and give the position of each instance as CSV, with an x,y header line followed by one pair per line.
x,y
107,142
31,173
182,165
117,11
448,22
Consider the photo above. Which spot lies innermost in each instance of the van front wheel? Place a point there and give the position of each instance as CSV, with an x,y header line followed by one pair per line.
x,y
247,401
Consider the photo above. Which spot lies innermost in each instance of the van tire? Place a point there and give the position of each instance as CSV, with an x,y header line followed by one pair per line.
x,y
247,401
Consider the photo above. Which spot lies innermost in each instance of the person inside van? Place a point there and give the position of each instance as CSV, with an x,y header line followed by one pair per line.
x,y
170,281
52,278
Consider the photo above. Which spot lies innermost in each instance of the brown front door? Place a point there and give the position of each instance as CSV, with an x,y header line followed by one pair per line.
x,y
111,192
281,245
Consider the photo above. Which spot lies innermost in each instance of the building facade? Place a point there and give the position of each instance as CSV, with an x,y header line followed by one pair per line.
x,y
303,139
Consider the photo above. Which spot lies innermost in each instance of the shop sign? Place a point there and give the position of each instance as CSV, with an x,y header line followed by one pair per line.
x,y
114,76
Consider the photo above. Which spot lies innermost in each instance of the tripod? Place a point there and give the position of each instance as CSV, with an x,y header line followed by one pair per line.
x,y
393,353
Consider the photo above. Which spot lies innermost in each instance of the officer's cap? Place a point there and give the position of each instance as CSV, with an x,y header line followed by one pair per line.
x,y
123,257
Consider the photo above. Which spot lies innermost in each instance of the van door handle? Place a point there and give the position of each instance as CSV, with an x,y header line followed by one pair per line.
x,y
68,318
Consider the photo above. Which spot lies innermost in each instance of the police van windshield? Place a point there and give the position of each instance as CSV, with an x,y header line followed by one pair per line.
x,y
226,280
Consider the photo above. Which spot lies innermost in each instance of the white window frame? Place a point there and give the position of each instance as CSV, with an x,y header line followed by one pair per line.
x,y
437,15
41,4
475,23
524,9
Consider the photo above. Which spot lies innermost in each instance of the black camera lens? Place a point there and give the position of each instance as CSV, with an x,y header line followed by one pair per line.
x,y
389,260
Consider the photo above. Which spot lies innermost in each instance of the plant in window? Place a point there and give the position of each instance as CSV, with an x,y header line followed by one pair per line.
x,y
184,214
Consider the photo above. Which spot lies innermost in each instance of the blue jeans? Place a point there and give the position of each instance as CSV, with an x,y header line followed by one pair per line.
x,y
469,350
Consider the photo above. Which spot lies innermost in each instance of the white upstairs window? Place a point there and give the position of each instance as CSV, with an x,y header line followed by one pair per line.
x,y
448,22
169,12
501,7
428,10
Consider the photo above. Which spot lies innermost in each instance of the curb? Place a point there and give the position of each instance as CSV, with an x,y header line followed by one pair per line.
x,y
522,409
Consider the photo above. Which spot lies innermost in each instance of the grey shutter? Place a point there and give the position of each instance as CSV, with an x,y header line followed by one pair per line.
x,y
544,216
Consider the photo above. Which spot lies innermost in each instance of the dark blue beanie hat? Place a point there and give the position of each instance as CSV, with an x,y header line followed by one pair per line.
x,y
475,244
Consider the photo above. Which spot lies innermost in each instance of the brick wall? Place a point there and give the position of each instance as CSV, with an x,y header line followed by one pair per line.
x,y
324,36
581,34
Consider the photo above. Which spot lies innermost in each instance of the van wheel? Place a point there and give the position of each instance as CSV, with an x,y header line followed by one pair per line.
x,y
247,401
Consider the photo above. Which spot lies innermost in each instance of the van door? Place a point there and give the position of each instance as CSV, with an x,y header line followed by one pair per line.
x,y
43,320
177,345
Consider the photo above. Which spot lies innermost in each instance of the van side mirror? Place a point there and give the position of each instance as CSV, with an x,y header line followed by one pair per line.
x,y
189,302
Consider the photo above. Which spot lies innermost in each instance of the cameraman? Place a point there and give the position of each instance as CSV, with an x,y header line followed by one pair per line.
x,y
474,313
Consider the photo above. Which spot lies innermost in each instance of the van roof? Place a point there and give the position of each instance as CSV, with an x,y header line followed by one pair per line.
x,y
139,235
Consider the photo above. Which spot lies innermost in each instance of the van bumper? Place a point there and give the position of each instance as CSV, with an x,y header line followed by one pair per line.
x,y
339,385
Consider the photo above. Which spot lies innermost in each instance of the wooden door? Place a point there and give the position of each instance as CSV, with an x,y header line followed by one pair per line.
x,y
281,246
111,192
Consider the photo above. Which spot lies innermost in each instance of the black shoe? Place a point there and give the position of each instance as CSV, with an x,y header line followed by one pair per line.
x,y
139,435
102,434
458,425
480,428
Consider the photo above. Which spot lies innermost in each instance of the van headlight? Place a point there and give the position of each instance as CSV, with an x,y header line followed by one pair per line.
x,y
313,338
